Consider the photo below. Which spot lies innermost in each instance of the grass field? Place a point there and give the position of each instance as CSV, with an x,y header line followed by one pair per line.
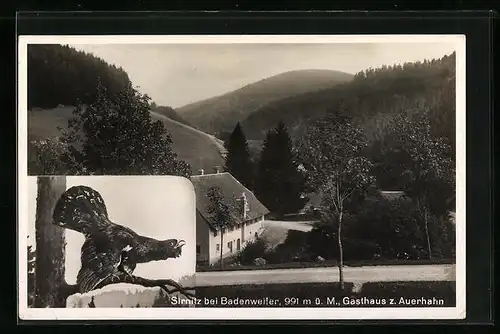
x,y
189,144
386,294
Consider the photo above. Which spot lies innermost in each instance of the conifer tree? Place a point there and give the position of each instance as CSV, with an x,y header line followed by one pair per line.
x,y
279,184
238,161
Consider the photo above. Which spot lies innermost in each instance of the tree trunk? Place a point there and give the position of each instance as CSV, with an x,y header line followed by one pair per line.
x,y
426,226
51,288
341,251
221,247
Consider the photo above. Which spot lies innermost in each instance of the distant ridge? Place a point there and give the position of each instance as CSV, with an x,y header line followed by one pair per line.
x,y
221,113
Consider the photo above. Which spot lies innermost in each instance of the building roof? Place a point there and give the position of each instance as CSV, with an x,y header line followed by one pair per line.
x,y
392,194
231,190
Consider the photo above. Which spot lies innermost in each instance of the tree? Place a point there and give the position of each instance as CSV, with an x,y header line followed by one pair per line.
x,y
238,160
137,305
332,152
162,300
220,214
59,74
118,136
50,285
428,175
279,183
92,304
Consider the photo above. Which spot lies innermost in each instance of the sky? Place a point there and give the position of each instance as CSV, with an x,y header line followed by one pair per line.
x,y
161,207
178,74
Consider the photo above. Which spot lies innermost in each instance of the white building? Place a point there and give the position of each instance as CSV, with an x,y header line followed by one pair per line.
x,y
247,221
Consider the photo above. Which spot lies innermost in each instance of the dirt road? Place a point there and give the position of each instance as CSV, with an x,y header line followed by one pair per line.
x,y
330,274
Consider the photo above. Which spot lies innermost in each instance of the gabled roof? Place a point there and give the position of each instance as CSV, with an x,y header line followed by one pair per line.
x,y
231,190
392,194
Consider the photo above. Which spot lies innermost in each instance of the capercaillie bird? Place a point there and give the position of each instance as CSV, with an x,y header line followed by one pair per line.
x,y
111,251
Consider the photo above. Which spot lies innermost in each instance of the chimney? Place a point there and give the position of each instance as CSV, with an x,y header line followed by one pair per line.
x,y
244,205
201,172
216,169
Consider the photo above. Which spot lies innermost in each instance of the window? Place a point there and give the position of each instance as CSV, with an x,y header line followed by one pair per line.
x,y
215,233
198,251
217,247
255,234
238,244
230,246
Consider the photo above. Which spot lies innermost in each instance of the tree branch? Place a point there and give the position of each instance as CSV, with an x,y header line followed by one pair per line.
x,y
161,283
347,194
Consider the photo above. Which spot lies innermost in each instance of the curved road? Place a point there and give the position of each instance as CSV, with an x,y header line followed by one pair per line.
x,y
329,274
303,226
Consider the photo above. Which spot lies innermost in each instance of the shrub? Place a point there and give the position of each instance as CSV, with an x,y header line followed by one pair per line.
x,y
384,229
293,249
252,250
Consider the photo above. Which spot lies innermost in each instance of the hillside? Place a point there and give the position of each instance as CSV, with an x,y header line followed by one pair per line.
x,y
221,113
370,95
170,113
195,147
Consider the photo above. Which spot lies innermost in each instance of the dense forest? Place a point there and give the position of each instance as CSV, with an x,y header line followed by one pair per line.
x,y
373,95
221,113
61,75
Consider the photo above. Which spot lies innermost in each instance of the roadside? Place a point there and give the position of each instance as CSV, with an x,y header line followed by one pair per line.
x,y
436,272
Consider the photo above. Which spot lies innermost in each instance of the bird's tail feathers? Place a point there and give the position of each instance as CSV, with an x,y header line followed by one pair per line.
x,y
81,209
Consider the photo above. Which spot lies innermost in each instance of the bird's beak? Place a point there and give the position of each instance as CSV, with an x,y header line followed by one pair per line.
x,y
179,244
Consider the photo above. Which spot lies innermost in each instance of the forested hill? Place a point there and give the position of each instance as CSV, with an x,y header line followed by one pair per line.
x,y
372,94
221,113
59,74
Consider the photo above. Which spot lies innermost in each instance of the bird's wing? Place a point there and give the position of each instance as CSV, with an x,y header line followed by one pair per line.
x,y
81,209
100,260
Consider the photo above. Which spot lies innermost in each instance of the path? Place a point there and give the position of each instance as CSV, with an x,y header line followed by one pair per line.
x,y
439,272
303,226
219,143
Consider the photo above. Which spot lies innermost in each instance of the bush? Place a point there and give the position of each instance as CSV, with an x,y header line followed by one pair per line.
x,y
252,250
48,157
293,249
384,229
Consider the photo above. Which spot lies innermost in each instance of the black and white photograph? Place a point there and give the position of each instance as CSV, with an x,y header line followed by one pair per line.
x,y
302,177
109,241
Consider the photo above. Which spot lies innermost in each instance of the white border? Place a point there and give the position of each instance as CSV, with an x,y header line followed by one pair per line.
x,y
457,312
